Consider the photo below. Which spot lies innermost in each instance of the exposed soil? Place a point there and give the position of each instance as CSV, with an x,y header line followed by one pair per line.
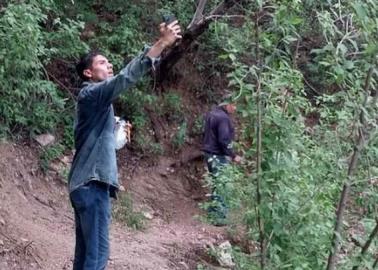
x,y
37,227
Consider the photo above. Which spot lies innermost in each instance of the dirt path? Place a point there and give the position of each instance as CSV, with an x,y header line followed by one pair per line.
x,y
36,224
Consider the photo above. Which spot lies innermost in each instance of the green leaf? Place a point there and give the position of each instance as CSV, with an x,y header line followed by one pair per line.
x,y
360,11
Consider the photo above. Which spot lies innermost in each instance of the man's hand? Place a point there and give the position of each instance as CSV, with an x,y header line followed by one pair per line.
x,y
169,34
237,159
127,129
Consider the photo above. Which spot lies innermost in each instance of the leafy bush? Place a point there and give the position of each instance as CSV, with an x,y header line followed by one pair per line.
x,y
303,167
125,213
172,106
180,136
29,102
49,154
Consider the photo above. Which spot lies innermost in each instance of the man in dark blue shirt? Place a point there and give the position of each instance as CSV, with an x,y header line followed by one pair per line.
x,y
217,146
93,175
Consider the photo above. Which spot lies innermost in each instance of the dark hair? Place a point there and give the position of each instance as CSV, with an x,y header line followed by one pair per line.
x,y
85,62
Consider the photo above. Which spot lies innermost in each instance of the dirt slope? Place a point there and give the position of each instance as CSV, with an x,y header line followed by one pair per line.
x,y
36,224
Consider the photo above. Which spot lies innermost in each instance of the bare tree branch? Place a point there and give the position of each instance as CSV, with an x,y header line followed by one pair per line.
x,y
172,56
207,18
222,7
198,15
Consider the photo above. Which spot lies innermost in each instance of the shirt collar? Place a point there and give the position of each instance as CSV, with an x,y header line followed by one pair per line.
x,y
223,109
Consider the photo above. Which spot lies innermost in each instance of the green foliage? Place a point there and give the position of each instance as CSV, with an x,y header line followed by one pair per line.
x,y
172,106
49,154
125,213
146,144
244,261
183,10
180,136
202,267
124,39
309,57
28,101
30,38
63,39
303,166
133,104
198,126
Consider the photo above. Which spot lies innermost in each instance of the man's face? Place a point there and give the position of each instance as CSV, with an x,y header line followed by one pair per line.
x,y
231,108
100,70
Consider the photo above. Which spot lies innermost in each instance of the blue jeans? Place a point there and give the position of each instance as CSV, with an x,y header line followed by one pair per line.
x,y
92,207
219,209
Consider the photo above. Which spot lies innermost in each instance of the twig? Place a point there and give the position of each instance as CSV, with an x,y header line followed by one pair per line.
x,y
63,86
368,243
356,242
27,245
223,16
7,237
32,254
69,217
296,54
45,71
221,8
371,237
311,87
43,202
376,262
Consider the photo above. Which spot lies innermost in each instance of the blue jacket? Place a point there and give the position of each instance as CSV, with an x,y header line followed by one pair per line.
x,y
219,133
95,156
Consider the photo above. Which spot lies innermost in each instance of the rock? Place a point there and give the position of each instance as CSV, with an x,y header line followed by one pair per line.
x,y
184,265
122,188
2,222
55,167
148,215
65,159
45,139
164,173
1,243
224,254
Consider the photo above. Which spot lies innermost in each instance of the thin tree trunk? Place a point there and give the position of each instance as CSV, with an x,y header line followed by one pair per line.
x,y
352,167
259,173
259,147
